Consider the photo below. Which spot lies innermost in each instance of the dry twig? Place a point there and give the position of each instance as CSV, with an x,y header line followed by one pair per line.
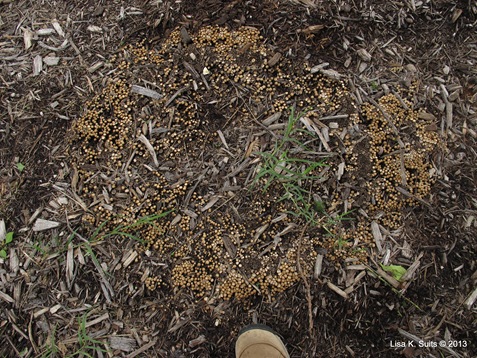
x,y
305,281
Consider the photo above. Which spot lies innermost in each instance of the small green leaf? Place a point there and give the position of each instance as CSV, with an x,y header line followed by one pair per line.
x,y
3,254
9,237
20,166
319,206
395,270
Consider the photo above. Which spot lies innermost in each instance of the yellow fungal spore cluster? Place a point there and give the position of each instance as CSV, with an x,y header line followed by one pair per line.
x,y
167,133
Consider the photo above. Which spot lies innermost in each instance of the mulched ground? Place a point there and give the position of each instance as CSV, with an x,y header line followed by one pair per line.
x,y
43,296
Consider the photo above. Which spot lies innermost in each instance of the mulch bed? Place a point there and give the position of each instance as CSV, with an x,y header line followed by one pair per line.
x,y
53,286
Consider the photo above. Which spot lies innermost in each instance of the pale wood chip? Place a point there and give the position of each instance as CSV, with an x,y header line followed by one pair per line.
x,y
468,303
3,230
362,67
62,200
37,65
334,75
448,106
311,126
356,267
286,230
359,277
308,124
222,138
107,207
276,126
260,231
57,27
197,341
96,66
378,237
124,344
412,269
456,14
313,29
406,250
323,141
129,258
63,46
253,146
6,297
337,290
55,308
41,225
40,312
211,203
364,55
143,91
134,11
142,349
318,266
17,293
54,204
468,221
150,148
45,32
319,67
325,133
177,219
27,38
96,29
341,169
279,218
97,320
391,280
146,272
70,265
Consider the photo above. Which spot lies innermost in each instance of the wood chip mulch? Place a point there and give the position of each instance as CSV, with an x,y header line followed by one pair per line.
x,y
55,292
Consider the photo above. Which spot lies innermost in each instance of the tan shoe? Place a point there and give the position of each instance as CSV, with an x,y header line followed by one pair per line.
x,y
259,341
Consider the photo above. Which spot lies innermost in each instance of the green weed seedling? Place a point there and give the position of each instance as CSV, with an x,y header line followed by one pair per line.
x,y
3,245
20,167
396,271
293,174
88,346
51,349
119,231
122,230
398,293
